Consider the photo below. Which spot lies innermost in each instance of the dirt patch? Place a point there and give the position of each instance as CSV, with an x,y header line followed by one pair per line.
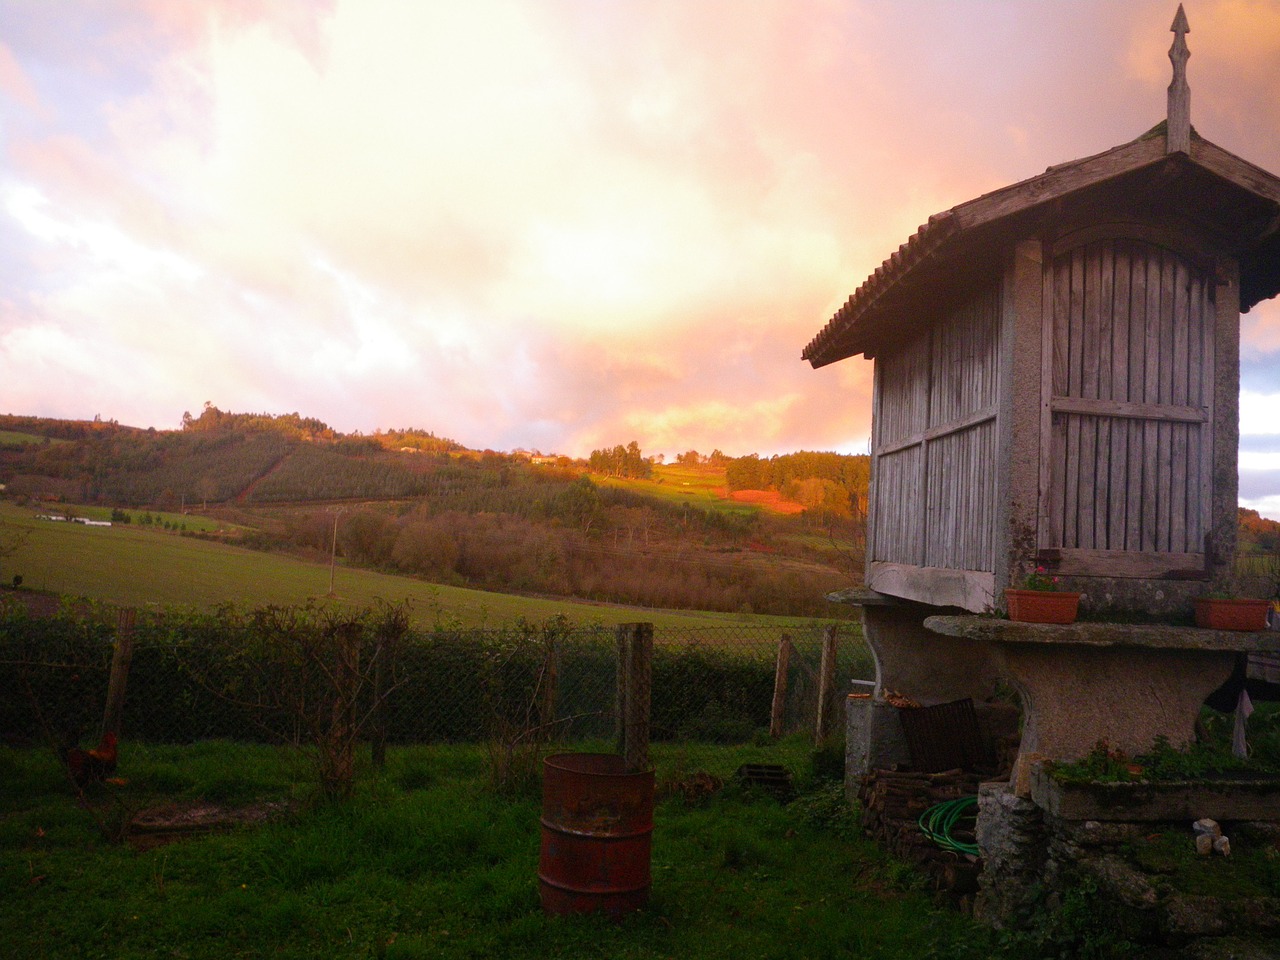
x,y
178,821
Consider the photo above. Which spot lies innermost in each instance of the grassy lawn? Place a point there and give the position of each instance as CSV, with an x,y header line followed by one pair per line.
x,y
428,861
136,565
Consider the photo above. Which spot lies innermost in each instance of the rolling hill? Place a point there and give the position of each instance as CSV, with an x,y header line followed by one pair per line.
x,y
408,502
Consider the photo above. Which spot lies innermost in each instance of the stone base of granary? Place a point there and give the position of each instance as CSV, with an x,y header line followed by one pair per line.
x,y
1033,859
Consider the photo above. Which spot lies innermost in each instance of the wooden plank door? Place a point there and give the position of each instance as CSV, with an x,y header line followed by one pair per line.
x,y
1126,487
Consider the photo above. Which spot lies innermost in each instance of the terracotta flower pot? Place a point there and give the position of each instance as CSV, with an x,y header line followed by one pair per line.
x,y
1042,606
1235,613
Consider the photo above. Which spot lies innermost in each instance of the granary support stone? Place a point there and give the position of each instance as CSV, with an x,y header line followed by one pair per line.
x,y
914,662
1014,848
1126,684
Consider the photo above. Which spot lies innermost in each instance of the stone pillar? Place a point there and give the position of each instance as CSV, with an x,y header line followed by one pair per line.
x,y
1013,846
918,663
926,666
1077,695
857,743
874,740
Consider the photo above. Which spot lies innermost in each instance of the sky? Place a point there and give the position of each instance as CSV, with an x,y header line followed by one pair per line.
x,y
551,224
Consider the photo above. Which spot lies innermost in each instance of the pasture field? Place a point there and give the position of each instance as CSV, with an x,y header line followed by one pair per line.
x,y
177,522
701,487
11,438
428,860
825,541
135,565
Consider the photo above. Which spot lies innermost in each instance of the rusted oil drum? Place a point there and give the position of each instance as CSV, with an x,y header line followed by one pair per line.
x,y
597,823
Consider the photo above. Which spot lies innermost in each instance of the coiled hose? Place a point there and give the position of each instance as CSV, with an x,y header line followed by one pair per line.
x,y
940,820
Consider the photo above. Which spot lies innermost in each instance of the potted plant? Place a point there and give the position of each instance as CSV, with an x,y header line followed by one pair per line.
x,y
1040,600
1225,610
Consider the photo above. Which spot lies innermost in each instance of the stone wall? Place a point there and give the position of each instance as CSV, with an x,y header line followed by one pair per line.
x,y
1032,858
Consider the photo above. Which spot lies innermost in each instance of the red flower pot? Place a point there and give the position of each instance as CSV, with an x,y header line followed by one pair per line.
x,y
1042,606
1236,613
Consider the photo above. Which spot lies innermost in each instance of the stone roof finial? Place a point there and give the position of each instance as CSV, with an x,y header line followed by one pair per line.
x,y
1178,123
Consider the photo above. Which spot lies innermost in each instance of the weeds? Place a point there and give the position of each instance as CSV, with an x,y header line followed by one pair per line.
x,y
1107,764
828,809
1082,925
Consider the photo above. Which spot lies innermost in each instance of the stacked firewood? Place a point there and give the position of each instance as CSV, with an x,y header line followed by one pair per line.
x,y
892,802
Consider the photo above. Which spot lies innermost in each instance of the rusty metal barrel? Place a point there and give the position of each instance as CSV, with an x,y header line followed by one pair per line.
x,y
597,823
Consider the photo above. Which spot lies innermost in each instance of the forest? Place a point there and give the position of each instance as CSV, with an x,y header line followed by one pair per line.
x,y
1257,534
825,481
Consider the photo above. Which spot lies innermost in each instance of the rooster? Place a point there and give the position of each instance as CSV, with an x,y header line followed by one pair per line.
x,y
91,766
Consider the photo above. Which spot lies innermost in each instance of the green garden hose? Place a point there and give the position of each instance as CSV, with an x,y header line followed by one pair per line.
x,y
938,821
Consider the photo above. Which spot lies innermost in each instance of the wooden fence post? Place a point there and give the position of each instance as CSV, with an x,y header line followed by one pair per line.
x,y
121,658
338,770
550,683
826,683
624,645
780,686
392,627
635,678
382,652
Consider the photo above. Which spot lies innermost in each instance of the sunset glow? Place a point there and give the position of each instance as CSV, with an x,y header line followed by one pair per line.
x,y
558,225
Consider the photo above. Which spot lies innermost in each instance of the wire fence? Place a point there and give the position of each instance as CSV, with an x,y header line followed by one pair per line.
x,y
1258,574
342,680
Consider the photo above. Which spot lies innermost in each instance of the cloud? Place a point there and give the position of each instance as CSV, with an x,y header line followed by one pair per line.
x,y
16,85
1258,491
561,225
1260,331
1258,413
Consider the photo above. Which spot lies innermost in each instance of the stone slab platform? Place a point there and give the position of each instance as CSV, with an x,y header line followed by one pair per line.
x,y
1256,799
1127,684
1151,636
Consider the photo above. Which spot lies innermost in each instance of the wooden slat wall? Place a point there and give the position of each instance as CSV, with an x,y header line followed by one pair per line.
x,y
963,370
903,408
934,443
1131,326
961,471
899,512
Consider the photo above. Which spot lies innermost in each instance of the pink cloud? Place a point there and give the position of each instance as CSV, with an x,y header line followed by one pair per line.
x,y
15,83
1260,328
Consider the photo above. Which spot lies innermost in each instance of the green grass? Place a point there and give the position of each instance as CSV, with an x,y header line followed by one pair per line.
x,y
1252,870
11,438
134,565
428,862
178,522
700,487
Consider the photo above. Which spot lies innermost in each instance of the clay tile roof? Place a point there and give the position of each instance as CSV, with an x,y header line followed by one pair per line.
x,y
1239,198
919,246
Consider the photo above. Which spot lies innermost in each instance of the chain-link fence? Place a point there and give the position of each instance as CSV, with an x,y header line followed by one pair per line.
x,y
1258,575
313,676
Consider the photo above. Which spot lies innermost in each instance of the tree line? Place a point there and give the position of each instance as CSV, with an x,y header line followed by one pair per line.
x,y
833,483
580,540
620,461
293,425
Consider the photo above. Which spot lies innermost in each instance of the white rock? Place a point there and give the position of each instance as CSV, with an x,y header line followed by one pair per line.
x,y
1222,845
1207,828
1204,844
